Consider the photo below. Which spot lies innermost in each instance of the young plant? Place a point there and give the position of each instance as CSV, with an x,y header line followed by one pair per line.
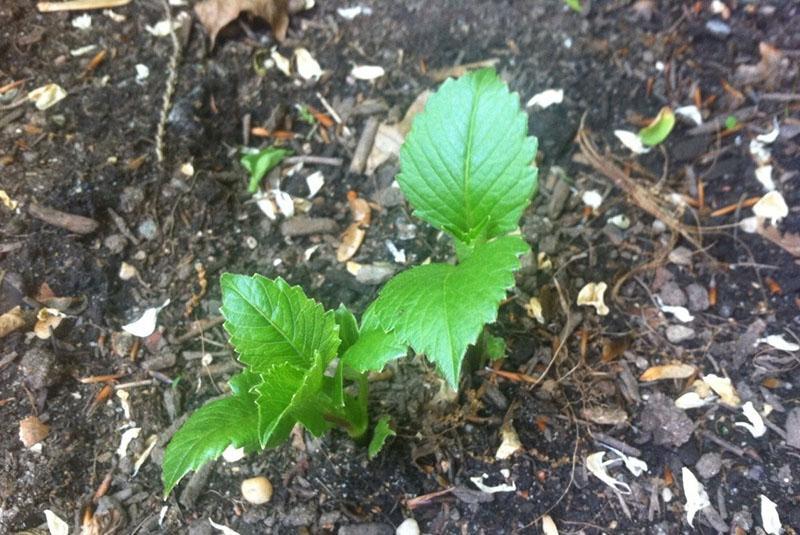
x,y
466,167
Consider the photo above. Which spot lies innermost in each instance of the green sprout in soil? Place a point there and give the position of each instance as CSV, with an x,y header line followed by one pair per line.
x,y
260,163
466,168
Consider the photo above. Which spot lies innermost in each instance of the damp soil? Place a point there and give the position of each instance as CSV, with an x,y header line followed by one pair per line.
x,y
568,385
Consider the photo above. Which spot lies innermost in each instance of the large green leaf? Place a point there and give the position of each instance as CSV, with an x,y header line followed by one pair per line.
x,y
466,164
272,323
375,346
288,394
211,429
440,309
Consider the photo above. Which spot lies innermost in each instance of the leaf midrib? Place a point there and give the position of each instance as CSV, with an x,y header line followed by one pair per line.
x,y
468,154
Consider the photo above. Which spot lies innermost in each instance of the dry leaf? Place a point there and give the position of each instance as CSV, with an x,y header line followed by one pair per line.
x,y
32,431
47,321
359,209
724,389
510,444
592,295
549,526
216,14
771,206
767,70
12,321
351,240
676,370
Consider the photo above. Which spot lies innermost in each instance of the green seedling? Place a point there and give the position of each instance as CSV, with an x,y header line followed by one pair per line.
x,y
466,168
730,122
260,163
575,5
658,130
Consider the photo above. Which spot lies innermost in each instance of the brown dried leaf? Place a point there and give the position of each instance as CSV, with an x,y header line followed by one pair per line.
x,y
351,241
11,321
216,14
768,70
676,370
359,209
32,431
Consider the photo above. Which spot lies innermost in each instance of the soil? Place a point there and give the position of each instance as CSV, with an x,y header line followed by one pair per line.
x,y
569,387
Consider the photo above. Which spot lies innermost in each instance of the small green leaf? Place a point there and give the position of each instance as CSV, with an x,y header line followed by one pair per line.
x,y
730,122
379,436
658,130
466,164
260,163
440,309
495,346
575,5
287,395
211,429
270,323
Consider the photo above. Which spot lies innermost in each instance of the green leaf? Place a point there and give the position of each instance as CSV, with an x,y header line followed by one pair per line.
x,y
348,327
270,323
730,122
260,163
658,130
379,436
575,5
375,346
440,309
495,346
288,395
211,429
466,164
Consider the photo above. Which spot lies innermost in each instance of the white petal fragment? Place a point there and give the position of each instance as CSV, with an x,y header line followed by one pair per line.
x,y
162,28
771,206
47,96
634,465
223,528
696,495
592,199
756,425
620,221
315,181
152,440
770,136
691,113
367,72
632,141
770,519
281,62
307,66
779,342
55,524
145,325
350,13
723,387
592,295
546,98
502,487
142,72
233,454
549,526
126,439
510,444
534,309
681,314
764,176
398,255
594,463
693,400
82,22
284,202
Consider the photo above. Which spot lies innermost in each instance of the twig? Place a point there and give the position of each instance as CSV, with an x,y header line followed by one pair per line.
x,y
413,503
71,222
318,160
169,89
332,111
76,5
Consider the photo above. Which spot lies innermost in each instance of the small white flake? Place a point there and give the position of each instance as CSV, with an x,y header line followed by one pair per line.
x,y
82,22
632,141
162,28
223,528
126,439
771,206
308,253
116,17
82,51
146,324
723,387
595,464
47,96
693,400
778,342
350,13
770,137
307,66
266,205
367,72
770,519
152,440
750,224
756,425
534,309
399,255
681,314
696,495
691,113
592,295
502,487
233,454
592,199
764,176
142,72
620,221
55,524
124,396
315,181
549,526
546,98
284,202
162,514
510,443
281,62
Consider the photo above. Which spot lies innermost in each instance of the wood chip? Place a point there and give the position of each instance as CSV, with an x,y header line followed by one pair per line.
x,y
32,431
77,224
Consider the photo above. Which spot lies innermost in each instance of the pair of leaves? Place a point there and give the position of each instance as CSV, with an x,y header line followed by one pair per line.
x,y
260,163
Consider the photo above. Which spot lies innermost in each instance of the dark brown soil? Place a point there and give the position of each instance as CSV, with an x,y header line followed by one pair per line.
x,y
93,155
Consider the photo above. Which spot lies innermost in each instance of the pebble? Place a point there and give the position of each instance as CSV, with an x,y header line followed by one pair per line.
x,y
303,226
115,243
709,465
698,297
372,274
405,229
668,424
408,527
257,490
370,528
301,516
130,199
148,229
37,367
679,333
718,28
558,198
672,295
389,197
681,256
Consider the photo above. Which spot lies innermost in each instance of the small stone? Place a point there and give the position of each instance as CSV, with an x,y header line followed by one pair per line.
x,y
679,333
130,199
408,527
301,516
115,243
698,297
371,274
709,465
718,28
257,490
405,229
559,196
793,428
672,295
389,197
668,424
370,528
304,226
148,229
681,256
38,367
